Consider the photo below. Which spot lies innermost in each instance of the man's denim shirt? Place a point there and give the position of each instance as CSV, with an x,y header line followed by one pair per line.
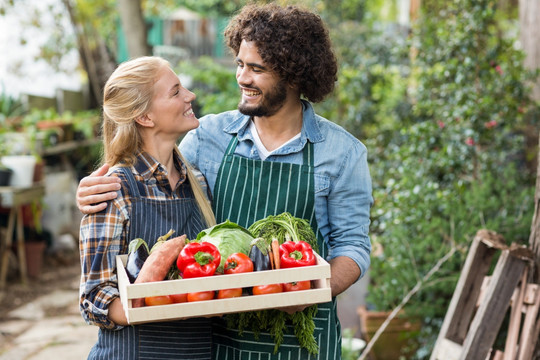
x,y
343,196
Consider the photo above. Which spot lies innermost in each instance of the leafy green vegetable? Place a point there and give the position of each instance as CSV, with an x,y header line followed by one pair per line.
x,y
229,238
282,227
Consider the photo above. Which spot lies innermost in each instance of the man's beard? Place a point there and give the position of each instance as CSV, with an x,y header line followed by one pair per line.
x,y
272,102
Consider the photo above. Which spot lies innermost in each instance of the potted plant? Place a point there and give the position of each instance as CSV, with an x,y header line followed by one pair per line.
x,y
5,175
5,172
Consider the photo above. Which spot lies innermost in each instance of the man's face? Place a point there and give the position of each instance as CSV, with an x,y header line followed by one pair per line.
x,y
263,92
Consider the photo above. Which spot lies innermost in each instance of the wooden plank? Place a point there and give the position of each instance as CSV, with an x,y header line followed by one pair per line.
x,y
499,355
490,314
467,290
482,295
511,345
14,196
531,294
446,350
6,248
21,253
529,335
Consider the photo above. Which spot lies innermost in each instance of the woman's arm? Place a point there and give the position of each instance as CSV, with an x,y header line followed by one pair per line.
x,y
102,237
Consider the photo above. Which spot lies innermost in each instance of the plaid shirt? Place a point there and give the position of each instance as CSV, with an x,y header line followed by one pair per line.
x,y
105,234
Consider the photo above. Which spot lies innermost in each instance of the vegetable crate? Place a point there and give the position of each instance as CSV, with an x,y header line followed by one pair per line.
x,y
320,292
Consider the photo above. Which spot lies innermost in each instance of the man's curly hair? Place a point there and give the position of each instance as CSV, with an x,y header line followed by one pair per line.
x,y
292,41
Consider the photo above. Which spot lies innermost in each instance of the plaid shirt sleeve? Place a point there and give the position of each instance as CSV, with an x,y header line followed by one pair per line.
x,y
102,236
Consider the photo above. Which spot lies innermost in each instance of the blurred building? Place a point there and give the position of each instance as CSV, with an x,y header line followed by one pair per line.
x,y
180,35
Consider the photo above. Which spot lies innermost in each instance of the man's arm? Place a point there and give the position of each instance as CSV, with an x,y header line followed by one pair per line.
x,y
95,190
349,203
344,272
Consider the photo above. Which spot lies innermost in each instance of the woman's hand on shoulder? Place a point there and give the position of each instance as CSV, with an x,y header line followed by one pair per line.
x,y
95,190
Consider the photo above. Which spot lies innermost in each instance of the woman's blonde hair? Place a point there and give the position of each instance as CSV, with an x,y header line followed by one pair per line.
x,y
127,96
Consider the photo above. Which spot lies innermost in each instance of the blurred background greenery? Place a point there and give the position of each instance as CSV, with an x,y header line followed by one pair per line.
x,y
439,91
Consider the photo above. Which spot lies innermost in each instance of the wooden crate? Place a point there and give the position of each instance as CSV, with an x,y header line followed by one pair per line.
x,y
319,275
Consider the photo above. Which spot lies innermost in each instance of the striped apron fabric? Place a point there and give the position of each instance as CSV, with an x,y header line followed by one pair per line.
x,y
248,190
185,339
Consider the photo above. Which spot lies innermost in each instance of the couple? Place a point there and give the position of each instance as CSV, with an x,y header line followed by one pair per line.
x,y
273,154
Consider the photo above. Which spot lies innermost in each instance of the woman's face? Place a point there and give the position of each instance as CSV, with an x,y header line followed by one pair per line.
x,y
171,109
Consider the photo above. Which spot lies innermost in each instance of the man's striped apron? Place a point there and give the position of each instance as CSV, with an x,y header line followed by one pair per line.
x,y
248,190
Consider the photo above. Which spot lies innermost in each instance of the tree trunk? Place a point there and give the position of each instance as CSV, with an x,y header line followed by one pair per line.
x,y
529,17
96,59
534,241
134,27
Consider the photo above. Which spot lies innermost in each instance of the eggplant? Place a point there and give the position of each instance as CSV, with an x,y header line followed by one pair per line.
x,y
137,254
259,254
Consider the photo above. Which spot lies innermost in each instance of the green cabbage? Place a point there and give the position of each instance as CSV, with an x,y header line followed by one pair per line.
x,y
229,238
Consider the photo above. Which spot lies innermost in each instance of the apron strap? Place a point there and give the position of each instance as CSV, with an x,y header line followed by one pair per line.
x,y
308,154
133,187
232,145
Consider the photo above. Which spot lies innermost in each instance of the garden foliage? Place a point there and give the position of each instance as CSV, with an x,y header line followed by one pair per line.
x,y
460,165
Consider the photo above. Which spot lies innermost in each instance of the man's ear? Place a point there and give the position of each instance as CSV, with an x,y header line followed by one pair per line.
x,y
145,121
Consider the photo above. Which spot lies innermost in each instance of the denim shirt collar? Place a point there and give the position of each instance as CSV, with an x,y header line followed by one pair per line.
x,y
239,125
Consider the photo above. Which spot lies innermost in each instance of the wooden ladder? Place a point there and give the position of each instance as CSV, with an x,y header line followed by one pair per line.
x,y
480,303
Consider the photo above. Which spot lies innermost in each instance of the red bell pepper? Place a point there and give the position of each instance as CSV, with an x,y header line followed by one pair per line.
x,y
296,254
198,260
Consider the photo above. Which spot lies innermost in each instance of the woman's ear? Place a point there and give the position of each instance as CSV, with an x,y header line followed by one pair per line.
x,y
145,121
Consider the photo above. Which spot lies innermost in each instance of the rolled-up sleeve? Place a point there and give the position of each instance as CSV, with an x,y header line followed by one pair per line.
x,y
102,237
349,203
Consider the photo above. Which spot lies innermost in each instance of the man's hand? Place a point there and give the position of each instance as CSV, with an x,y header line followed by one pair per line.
x,y
95,189
292,309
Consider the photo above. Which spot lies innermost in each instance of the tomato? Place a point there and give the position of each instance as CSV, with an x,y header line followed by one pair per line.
x,y
179,298
200,296
238,263
297,286
229,293
267,289
158,300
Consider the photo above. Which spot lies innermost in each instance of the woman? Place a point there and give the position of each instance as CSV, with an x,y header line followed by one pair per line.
x,y
145,111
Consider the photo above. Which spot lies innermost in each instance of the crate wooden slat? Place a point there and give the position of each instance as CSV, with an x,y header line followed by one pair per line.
x,y
320,293
468,332
490,315
530,332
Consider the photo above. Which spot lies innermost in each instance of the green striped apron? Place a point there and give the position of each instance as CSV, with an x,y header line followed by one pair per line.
x,y
248,190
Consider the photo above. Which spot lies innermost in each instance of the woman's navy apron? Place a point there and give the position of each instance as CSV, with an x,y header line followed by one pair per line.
x,y
183,339
248,190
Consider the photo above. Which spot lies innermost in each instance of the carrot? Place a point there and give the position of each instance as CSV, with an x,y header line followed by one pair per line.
x,y
157,265
275,253
271,257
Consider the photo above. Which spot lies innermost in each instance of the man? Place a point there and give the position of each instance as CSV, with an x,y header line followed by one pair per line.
x,y
274,154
